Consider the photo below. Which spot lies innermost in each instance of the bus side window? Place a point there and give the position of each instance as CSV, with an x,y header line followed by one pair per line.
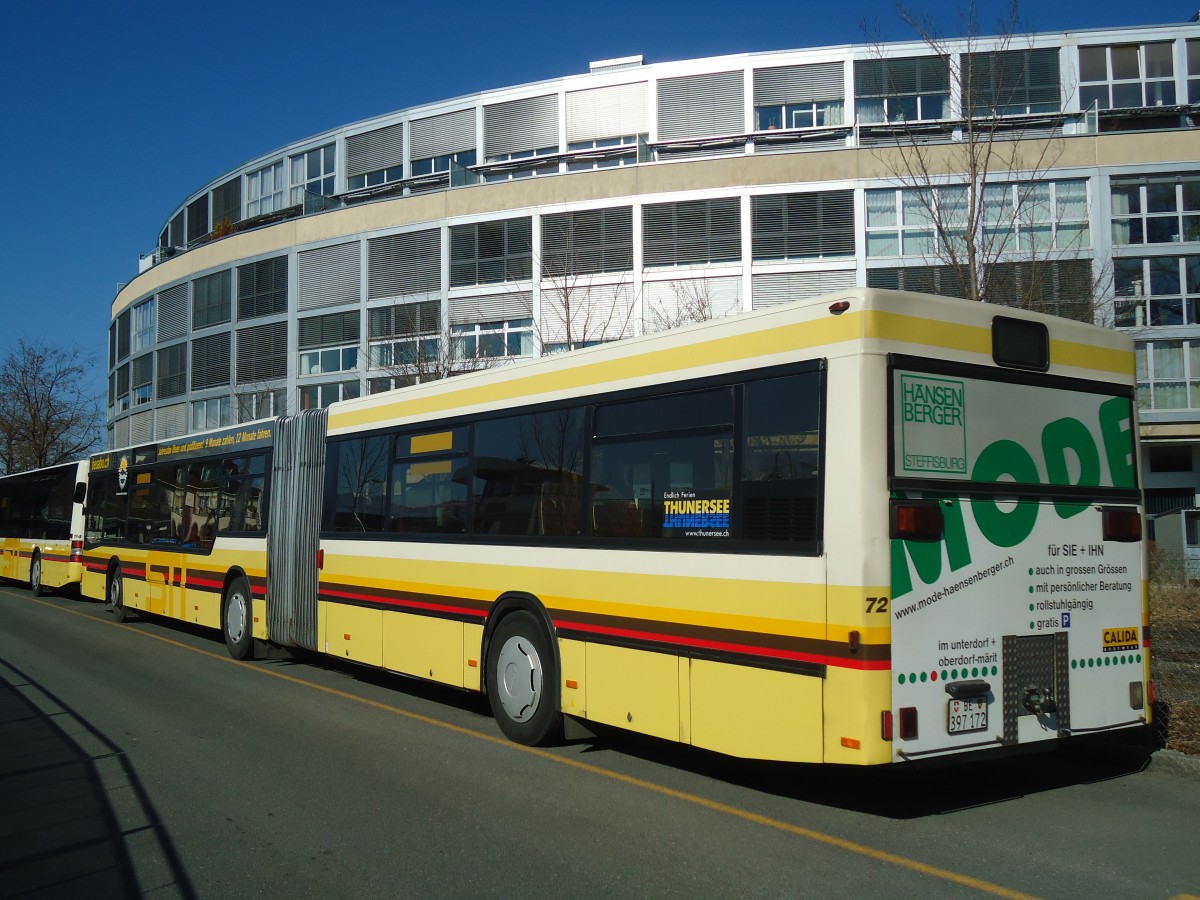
x,y
662,467
358,476
528,474
781,458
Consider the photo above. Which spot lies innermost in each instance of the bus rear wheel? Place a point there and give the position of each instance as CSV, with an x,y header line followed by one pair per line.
x,y
116,596
35,575
236,618
522,682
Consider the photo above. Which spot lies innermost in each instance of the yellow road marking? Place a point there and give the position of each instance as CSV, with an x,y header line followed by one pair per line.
x,y
745,815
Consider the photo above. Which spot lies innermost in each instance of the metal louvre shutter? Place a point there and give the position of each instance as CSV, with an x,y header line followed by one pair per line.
x,y
606,112
379,149
175,231
907,75
142,371
262,287
211,303
329,331
227,201
171,421
262,353
172,371
141,427
701,105
587,241
172,312
121,433
669,304
1011,78
197,218
940,280
800,84
328,275
527,124
408,263
405,320
210,361
803,226
693,231
447,133
491,307
599,313
773,289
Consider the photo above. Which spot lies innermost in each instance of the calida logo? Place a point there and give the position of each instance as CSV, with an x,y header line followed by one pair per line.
x,y
1066,443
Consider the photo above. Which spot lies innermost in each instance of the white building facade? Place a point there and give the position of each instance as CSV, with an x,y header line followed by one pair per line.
x,y
533,219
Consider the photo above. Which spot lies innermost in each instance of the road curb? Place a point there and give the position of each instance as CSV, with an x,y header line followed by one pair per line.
x,y
1176,763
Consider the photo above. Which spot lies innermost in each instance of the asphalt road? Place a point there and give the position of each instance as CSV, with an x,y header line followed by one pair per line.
x,y
138,759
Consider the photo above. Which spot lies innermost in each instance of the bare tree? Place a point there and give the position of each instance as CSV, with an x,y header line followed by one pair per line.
x,y
48,414
976,192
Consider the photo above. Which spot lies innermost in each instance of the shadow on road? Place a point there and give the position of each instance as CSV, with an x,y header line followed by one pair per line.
x,y
74,818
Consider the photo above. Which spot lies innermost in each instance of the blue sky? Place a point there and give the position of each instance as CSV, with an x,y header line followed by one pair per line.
x,y
113,112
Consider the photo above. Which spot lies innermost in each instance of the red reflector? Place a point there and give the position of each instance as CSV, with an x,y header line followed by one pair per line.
x,y
886,725
320,559
854,641
76,550
1122,524
1150,692
917,521
908,723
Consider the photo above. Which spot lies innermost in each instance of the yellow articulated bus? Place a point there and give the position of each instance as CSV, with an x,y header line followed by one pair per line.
x,y
41,526
868,528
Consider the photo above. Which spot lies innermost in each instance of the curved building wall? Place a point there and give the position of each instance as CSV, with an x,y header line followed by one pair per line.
x,y
525,221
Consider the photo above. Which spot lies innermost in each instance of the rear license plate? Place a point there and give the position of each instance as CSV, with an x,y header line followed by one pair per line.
x,y
964,716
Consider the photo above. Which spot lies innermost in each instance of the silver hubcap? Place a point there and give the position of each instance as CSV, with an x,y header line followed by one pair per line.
x,y
114,592
519,678
235,616
35,575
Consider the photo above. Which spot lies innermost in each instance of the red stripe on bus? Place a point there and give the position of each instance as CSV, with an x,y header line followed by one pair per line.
x,y
741,649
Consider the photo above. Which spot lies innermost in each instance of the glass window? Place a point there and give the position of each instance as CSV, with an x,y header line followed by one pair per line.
x,y
1127,76
781,459
265,190
901,90
528,474
662,468
429,484
359,475
313,173
492,340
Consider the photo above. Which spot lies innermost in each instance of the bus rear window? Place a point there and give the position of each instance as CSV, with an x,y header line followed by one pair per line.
x,y
1020,344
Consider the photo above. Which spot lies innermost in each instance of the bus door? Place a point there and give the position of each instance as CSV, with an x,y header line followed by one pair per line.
x,y
165,561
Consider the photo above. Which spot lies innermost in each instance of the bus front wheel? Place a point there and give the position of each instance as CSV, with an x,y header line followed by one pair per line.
x,y
35,575
522,683
236,619
116,597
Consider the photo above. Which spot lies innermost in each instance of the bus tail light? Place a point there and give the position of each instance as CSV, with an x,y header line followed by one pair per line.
x,y
1150,693
917,521
1122,523
908,723
76,551
320,560
886,725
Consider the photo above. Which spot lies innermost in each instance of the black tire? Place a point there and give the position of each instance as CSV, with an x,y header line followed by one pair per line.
x,y
237,619
35,574
522,681
115,596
